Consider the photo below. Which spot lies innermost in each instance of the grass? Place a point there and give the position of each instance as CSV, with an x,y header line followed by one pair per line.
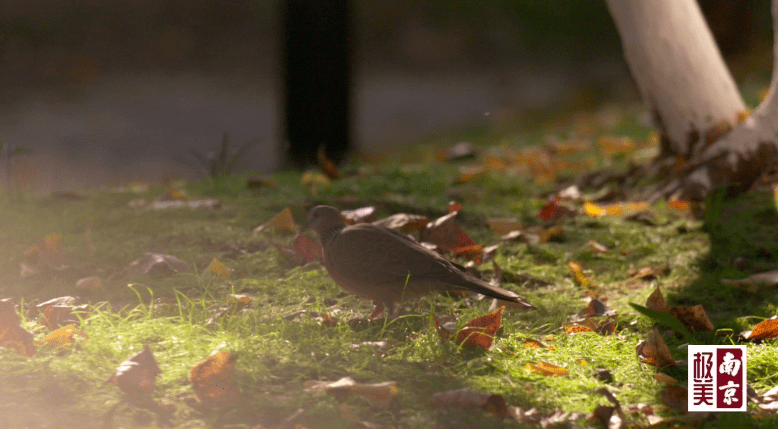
x,y
279,339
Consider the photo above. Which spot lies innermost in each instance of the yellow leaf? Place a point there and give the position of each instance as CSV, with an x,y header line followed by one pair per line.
x,y
61,337
613,209
220,269
282,221
593,210
578,273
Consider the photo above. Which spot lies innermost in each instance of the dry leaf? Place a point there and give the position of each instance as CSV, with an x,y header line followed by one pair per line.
x,y
446,234
283,221
137,375
454,206
480,332
62,337
763,330
211,381
546,369
656,301
575,268
12,335
755,282
218,268
404,223
467,174
680,205
466,398
378,395
586,325
327,166
173,193
654,351
47,252
155,264
693,317
610,145
550,233
676,397
597,247
663,378
360,215
90,285
503,226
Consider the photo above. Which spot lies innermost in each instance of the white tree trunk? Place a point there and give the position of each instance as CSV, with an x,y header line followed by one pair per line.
x,y
679,71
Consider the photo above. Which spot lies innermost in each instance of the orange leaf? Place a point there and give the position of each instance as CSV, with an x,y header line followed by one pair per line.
x,y
656,301
654,351
454,206
211,381
218,268
283,221
546,368
578,273
480,332
550,233
763,330
693,317
173,193
62,337
680,205
593,210
327,166
549,210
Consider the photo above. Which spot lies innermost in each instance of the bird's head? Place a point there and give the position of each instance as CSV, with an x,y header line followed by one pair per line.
x,y
323,218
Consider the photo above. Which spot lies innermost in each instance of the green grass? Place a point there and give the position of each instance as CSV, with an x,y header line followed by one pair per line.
x,y
280,342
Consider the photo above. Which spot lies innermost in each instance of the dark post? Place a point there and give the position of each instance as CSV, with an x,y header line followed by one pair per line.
x,y
317,79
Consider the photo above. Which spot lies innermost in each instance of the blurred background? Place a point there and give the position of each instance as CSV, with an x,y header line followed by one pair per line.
x,y
110,91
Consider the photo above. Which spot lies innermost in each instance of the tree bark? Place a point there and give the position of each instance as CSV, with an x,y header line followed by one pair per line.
x,y
678,70
681,75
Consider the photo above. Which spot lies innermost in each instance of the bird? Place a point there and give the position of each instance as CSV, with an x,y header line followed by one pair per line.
x,y
387,267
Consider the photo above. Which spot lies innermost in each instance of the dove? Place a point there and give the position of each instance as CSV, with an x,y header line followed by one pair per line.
x,y
385,266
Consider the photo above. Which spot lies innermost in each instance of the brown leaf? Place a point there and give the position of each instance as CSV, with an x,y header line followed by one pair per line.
x,y
676,397
12,335
596,308
754,283
454,206
62,337
656,301
468,174
137,375
327,166
90,285
282,221
503,226
586,325
466,398
47,252
577,271
211,381
480,331
404,223
158,264
654,351
360,215
546,368
763,330
446,234
693,317
378,395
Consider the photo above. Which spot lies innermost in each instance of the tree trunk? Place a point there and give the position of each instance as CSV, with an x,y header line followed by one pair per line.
x,y
681,75
678,69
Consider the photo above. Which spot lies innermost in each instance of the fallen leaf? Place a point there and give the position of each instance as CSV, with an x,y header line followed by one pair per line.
x,y
550,233
446,234
763,330
173,193
137,375
454,206
654,351
468,174
360,215
586,325
158,264
546,369
575,268
211,381
327,166
503,226
218,268
378,395
12,335
404,223
663,378
676,397
593,210
47,252
693,317
680,205
755,282
597,247
610,146
314,181
282,221
656,301
62,337
480,331
90,285
466,398
55,315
